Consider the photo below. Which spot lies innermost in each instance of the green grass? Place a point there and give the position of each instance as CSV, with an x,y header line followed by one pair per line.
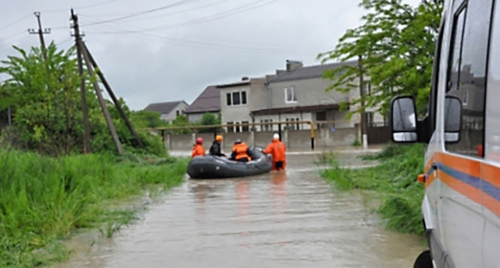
x,y
393,181
44,200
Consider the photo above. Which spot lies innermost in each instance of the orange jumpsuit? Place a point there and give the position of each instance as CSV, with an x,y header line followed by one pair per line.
x,y
240,152
198,150
277,150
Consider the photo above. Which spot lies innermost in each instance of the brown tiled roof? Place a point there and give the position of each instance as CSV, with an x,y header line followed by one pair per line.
x,y
163,107
207,101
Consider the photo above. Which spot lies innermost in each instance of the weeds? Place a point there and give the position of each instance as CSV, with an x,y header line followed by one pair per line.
x,y
393,181
44,200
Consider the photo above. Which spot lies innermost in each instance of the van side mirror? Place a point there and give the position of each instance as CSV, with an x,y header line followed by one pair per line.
x,y
452,118
403,119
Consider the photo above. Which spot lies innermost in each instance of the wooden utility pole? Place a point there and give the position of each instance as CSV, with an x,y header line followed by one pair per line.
x,y
40,33
112,95
85,110
102,103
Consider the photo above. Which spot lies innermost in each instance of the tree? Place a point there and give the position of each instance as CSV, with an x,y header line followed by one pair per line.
x,y
209,119
47,113
395,49
43,96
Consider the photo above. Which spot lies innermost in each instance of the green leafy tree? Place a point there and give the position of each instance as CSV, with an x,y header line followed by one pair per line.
x,y
180,121
395,49
209,119
43,98
147,119
47,114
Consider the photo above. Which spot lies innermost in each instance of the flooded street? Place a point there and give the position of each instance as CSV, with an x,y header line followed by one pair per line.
x,y
291,219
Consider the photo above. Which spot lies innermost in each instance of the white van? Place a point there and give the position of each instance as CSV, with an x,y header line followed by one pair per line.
x,y
461,207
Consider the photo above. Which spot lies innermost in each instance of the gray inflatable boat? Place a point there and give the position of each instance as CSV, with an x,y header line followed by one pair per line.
x,y
210,166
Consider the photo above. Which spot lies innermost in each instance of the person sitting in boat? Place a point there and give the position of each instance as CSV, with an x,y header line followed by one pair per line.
x,y
277,150
198,149
215,148
240,152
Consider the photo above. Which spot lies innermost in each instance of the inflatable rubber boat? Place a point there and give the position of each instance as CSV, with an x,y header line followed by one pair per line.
x,y
210,166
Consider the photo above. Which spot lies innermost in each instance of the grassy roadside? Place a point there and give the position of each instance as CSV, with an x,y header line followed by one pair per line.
x,y
44,200
393,182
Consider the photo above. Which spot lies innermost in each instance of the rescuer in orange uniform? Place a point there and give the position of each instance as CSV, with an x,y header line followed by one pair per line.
x,y
198,148
240,152
277,150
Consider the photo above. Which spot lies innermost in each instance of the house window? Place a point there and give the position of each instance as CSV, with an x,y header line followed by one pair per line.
x,y
236,98
243,97
290,95
230,127
177,113
244,126
266,126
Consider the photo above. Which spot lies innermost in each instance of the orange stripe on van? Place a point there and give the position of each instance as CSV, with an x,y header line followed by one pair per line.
x,y
464,165
491,203
461,187
491,174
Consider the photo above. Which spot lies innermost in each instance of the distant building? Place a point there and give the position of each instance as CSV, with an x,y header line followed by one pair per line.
x,y
207,102
168,110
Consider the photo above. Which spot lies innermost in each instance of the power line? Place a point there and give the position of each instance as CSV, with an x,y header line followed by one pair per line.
x,y
167,14
212,17
81,7
141,13
14,22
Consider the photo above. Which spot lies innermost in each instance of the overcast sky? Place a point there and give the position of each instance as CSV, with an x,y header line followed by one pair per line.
x,y
168,50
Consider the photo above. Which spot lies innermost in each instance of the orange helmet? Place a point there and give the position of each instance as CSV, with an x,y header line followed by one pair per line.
x,y
218,138
199,140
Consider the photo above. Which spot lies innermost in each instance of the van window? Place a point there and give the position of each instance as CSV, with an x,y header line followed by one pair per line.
x,y
467,72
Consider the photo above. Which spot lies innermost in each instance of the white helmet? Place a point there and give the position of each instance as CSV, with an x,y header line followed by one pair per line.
x,y
276,136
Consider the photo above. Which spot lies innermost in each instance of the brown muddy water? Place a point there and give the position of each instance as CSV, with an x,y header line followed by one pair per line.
x,y
288,219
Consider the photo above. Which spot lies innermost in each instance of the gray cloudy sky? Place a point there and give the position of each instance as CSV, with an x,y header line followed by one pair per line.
x,y
167,50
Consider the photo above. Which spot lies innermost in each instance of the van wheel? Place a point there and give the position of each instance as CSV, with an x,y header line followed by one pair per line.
x,y
424,260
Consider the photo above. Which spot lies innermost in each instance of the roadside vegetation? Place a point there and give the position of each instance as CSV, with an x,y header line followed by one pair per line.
x,y
44,200
50,189
392,183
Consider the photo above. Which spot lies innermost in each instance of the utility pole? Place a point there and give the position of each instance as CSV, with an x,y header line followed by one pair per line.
x,y
85,111
101,100
40,33
364,136
112,95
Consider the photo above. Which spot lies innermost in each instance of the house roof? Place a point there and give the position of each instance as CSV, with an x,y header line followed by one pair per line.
x,y
308,72
294,109
163,107
207,101
242,83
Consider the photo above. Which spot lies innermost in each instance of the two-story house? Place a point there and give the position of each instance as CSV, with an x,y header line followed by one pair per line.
x,y
290,96
168,110
298,94
239,99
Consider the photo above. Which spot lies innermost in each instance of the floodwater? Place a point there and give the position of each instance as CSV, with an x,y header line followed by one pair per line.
x,y
288,219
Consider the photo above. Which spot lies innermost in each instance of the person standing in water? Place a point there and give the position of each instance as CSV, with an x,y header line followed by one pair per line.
x,y
277,149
